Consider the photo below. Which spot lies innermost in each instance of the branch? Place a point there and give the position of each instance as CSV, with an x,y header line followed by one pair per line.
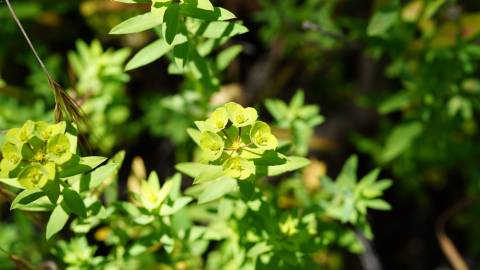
x,y
447,246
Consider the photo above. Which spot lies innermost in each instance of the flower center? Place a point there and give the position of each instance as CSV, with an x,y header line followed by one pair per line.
x,y
236,166
215,147
38,156
35,177
261,139
236,145
46,133
219,124
240,118
59,149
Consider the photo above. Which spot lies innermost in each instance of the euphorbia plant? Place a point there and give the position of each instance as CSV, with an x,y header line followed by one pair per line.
x,y
41,159
240,219
235,146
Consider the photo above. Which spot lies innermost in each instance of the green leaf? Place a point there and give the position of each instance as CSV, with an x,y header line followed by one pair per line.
x,y
217,189
218,13
292,164
179,203
201,4
138,23
57,221
72,137
194,134
225,57
277,108
400,139
348,175
165,190
74,202
171,18
175,191
395,103
191,169
383,20
378,204
13,182
297,100
181,54
52,190
382,184
129,208
150,53
219,29
210,173
84,165
153,181
258,249
369,179
26,197
96,177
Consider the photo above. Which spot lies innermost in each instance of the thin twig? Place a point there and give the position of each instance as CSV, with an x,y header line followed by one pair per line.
x,y
19,24
446,244
20,263
63,102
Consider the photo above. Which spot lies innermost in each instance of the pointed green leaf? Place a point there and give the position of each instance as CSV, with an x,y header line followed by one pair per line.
x,y
13,182
52,190
138,23
84,165
57,221
149,54
349,171
210,173
369,179
179,203
219,29
217,14
74,202
217,189
225,57
292,164
101,174
191,169
378,204
383,20
201,4
400,139
171,19
26,197
181,54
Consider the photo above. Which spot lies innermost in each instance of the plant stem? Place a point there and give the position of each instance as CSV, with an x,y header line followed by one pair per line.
x,y
226,135
30,44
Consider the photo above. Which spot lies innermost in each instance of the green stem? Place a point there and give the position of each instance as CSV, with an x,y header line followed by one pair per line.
x,y
226,135
250,151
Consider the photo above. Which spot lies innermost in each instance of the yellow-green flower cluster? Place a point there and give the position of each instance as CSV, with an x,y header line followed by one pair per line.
x,y
233,137
33,153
